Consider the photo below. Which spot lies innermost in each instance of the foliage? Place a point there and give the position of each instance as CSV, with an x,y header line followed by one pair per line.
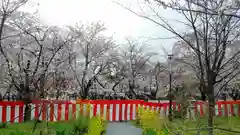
x,y
3,125
151,122
81,126
96,126
223,126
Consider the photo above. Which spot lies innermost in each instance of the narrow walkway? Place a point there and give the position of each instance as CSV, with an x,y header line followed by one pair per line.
x,y
122,128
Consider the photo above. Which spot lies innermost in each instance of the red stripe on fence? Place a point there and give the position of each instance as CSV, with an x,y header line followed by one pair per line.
x,y
74,111
11,103
179,107
12,117
131,111
174,106
66,111
219,110
125,111
101,110
201,109
4,113
21,114
44,111
120,111
36,112
51,112
108,111
59,112
114,112
95,109
165,108
196,109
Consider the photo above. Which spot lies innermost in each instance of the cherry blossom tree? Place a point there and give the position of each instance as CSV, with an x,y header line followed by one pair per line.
x,y
93,54
213,28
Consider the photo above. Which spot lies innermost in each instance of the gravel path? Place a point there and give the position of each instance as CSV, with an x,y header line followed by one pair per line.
x,y
122,128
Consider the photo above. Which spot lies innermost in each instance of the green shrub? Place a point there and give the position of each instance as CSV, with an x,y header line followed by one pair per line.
x,y
177,114
151,122
96,126
18,133
62,132
150,131
3,125
81,125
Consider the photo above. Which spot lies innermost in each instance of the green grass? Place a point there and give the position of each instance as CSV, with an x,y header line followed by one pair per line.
x,y
185,127
188,127
27,128
71,127
191,127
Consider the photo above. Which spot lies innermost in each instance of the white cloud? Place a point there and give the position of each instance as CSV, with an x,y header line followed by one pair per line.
x,y
120,22
62,12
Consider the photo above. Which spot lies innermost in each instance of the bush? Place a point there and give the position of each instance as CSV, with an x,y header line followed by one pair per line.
x,y
149,131
83,125
177,114
3,125
151,122
96,126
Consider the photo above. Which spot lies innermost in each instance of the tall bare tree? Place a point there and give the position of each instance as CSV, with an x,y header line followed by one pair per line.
x,y
94,51
28,48
117,73
214,28
159,68
136,61
187,58
8,9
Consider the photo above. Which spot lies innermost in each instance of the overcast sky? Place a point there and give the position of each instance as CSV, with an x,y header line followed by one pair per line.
x,y
120,22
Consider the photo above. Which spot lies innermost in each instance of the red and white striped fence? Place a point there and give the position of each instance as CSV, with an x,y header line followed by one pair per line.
x,y
110,110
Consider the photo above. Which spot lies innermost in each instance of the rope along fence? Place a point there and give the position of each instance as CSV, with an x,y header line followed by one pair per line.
x,y
109,110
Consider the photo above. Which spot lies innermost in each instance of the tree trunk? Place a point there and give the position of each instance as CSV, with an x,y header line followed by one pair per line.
x,y
131,89
85,91
203,96
1,97
57,96
27,112
116,84
203,93
42,82
26,94
211,102
170,97
27,103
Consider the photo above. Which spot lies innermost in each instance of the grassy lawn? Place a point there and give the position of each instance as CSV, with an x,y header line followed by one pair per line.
x,y
187,127
28,127
74,127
